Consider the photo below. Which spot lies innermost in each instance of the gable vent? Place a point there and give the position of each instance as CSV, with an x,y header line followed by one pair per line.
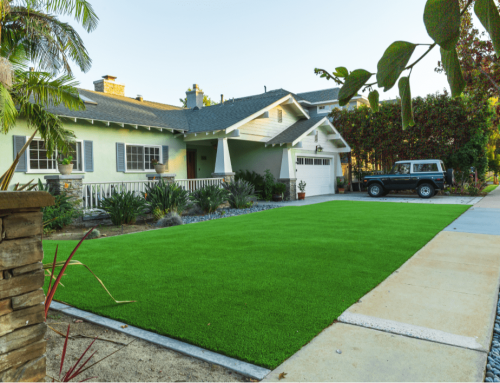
x,y
280,115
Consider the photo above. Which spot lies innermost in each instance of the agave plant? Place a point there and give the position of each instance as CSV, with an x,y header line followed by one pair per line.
x,y
239,193
209,198
164,198
123,206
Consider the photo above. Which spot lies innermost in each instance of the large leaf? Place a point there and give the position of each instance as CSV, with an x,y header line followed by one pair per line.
x,y
487,13
406,106
373,97
393,62
352,85
341,71
442,21
453,71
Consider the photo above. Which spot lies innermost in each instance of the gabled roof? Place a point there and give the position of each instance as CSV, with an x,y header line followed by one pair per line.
x,y
290,134
320,95
126,110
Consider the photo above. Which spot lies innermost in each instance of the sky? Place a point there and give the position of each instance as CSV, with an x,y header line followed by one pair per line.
x,y
159,48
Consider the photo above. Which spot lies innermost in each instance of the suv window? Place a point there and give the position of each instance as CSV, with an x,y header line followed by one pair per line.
x,y
425,167
401,168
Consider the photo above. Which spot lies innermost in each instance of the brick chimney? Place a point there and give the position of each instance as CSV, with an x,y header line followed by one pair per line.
x,y
109,86
195,97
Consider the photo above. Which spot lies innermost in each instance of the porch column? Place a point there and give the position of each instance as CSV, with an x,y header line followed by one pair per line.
x,y
223,162
287,175
71,184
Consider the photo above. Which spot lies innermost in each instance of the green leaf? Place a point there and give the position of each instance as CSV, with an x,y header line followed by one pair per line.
x,y
352,84
393,62
453,71
373,97
406,106
487,13
442,21
342,71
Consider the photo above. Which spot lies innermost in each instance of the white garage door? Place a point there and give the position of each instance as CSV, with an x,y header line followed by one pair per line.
x,y
316,173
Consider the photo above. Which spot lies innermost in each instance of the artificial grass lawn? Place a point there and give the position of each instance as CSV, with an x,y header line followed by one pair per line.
x,y
489,188
255,287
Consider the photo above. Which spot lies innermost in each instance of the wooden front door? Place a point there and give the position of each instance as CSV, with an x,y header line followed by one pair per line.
x,y
191,164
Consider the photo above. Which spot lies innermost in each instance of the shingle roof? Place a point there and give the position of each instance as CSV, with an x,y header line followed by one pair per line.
x,y
222,116
127,110
320,95
295,131
146,113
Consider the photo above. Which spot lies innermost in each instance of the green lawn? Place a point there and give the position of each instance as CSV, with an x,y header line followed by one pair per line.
x,y
256,287
489,188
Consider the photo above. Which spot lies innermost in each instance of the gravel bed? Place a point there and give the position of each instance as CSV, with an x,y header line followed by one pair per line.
x,y
493,366
227,212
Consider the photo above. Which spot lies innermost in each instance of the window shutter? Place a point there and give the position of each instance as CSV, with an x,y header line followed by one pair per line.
x,y
120,157
164,151
88,150
19,142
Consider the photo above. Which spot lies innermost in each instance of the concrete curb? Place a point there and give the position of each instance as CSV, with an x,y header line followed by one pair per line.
x,y
236,365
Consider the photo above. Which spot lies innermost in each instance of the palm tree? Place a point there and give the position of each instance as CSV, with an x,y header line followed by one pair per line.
x,y
30,32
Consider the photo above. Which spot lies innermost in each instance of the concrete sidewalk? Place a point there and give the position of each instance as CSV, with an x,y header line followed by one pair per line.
x,y
431,320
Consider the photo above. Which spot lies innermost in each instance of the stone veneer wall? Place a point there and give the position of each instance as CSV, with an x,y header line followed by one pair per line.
x,y
291,188
72,185
22,319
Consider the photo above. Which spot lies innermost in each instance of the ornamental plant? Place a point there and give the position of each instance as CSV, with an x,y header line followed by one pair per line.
x,y
66,161
123,206
209,198
302,186
239,193
442,19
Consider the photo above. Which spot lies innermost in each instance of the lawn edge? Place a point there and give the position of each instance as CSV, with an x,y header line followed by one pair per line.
x,y
243,368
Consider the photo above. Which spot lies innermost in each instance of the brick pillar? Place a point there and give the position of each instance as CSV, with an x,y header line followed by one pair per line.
x,y
72,185
169,178
291,188
22,319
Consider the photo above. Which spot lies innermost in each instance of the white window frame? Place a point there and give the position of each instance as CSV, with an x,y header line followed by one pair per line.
x,y
327,108
160,151
56,170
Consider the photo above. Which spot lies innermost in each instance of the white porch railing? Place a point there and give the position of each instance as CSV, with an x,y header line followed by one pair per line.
x,y
93,192
197,183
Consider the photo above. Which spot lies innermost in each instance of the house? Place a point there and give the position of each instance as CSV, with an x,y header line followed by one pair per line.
x,y
117,137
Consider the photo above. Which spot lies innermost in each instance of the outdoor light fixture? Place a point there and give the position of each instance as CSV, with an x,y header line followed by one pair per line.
x,y
319,148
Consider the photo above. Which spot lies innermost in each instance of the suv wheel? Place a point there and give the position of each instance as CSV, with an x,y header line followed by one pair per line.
x,y
426,191
375,190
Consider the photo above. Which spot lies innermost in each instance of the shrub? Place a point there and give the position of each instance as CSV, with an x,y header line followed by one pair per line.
x,y
164,197
268,185
94,234
279,188
254,178
171,219
239,193
209,198
123,206
60,214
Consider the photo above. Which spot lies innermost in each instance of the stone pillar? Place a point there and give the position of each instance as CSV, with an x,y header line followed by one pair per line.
x,y
22,318
228,177
72,185
291,188
169,178
287,175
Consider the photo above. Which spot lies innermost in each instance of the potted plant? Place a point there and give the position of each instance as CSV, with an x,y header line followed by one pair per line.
x,y
65,166
302,188
341,184
159,168
278,191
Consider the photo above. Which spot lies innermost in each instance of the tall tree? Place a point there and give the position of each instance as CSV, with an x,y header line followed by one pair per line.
x,y
443,21
30,32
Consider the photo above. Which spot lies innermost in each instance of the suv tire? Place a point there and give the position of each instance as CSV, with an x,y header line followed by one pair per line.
x,y
450,176
426,190
376,190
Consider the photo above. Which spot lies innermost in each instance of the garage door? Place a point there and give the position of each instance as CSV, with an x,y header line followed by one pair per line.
x,y
316,173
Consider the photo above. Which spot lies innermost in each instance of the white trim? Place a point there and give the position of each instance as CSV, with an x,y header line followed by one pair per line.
x,y
144,157
56,170
122,124
306,133
267,108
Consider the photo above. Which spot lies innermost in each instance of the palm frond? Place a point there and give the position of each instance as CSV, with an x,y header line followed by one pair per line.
x,y
81,10
8,111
